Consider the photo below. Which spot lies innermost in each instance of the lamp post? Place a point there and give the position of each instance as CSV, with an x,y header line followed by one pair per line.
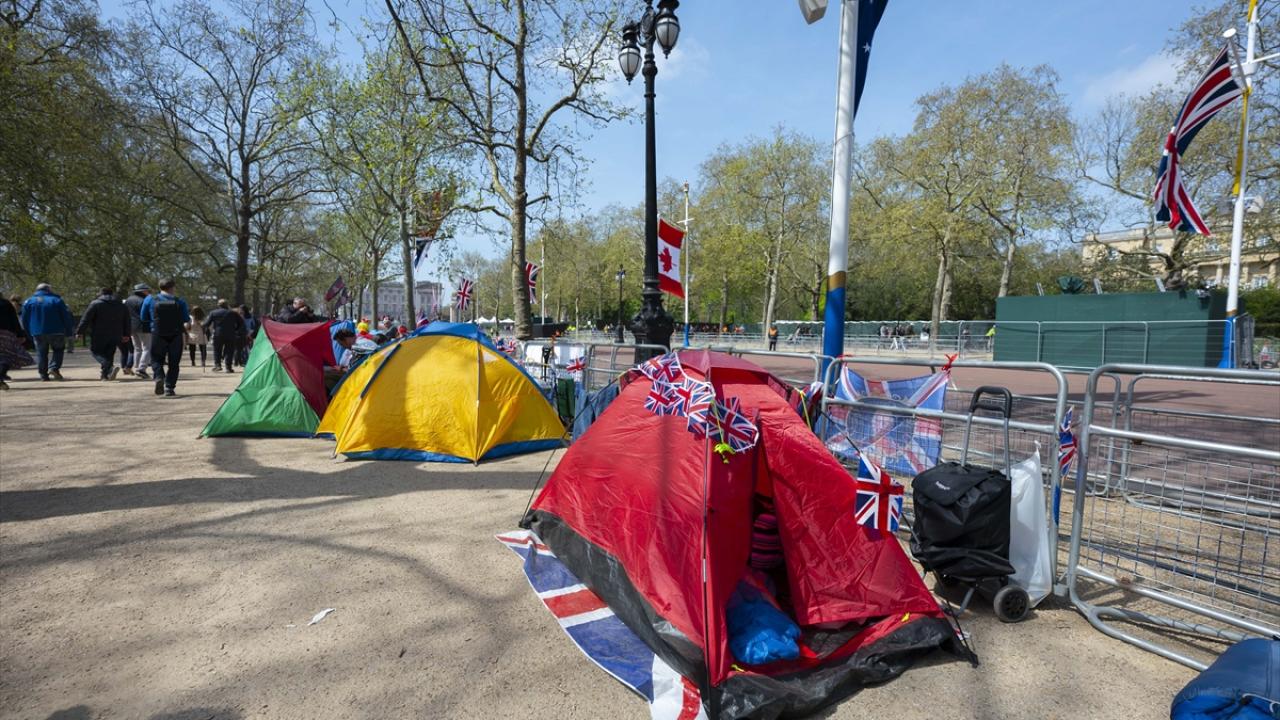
x,y
622,275
653,325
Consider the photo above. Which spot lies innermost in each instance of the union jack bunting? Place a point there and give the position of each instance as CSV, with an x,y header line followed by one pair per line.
x,y
1067,445
531,279
601,635
661,399
1217,89
698,409
663,368
462,297
879,500
737,429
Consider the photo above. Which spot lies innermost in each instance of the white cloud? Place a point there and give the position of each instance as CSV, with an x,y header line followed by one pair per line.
x,y
1153,70
690,60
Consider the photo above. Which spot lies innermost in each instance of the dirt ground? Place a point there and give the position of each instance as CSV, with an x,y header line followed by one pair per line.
x,y
145,573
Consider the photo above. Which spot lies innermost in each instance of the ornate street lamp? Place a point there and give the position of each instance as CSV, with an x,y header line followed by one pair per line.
x,y
653,325
618,337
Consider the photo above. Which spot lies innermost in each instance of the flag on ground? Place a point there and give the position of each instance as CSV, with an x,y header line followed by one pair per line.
x,y
1217,89
670,238
879,500
462,297
531,280
337,287
601,636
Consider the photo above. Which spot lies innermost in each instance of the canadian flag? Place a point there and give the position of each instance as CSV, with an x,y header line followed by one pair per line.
x,y
670,238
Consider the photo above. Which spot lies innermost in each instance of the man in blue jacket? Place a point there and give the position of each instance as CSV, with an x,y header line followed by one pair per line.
x,y
47,319
165,316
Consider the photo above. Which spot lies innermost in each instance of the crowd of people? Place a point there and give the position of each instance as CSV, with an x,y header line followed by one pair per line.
x,y
149,332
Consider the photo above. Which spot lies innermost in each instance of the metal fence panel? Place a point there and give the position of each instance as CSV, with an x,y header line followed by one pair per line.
x,y
1176,519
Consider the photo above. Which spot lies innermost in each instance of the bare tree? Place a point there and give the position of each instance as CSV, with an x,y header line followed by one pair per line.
x,y
511,72
219,89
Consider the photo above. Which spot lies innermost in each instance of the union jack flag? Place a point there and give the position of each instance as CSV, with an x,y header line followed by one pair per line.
x,y
463,295
736,428
601,635
902,443
577,365
663,368
661,400
1067,445
698,408
423,321
531,279
879,500
1217,89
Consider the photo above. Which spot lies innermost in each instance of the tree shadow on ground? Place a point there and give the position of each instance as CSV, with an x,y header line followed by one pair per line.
x,y
254,482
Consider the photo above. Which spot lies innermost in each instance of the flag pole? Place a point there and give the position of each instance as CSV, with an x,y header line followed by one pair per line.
x,y
842,156
1246,70
687,268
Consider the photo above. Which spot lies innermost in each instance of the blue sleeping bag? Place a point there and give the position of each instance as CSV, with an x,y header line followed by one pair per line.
x,y
1242,684
759,633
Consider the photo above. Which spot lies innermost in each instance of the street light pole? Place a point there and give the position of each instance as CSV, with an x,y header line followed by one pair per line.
x,y
653,325
618,337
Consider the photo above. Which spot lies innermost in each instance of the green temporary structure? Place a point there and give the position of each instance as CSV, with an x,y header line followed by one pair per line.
x,y
282,391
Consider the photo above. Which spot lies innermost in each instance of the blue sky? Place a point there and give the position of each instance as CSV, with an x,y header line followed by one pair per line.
x,y
742,67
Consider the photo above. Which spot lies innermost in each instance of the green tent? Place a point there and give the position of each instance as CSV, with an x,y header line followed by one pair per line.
x,y
282,391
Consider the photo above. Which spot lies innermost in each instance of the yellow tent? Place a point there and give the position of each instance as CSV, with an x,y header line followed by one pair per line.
x,y
444,393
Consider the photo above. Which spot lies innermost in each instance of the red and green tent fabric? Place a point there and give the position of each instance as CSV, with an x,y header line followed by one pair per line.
x,y
282,390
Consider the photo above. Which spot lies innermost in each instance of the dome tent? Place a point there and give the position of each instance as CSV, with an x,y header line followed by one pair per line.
x,y
281,392
444,394
638,522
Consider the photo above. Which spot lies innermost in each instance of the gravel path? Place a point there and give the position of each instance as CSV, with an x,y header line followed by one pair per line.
x,y
145,573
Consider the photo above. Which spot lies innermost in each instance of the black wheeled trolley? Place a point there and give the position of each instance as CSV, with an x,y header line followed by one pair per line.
x,y
961,526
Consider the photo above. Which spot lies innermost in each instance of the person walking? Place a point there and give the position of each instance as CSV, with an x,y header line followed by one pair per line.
x,y
47,319
250,332
105,321
224,326
13,356
164,316
195,337
141,338
773,337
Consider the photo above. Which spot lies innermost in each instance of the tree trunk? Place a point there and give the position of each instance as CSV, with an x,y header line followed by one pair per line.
x,y
373,299
815,309
724,302
939,282
243,232
406,252
519,191
1006,273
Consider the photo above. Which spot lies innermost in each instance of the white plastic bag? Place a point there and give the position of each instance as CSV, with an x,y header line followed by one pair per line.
x,y
1029,544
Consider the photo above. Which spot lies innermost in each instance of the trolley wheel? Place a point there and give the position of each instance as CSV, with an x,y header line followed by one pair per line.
x,y
1011,604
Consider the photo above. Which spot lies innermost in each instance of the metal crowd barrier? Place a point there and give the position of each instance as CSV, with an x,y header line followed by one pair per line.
x,y
1184,535
1029,427
763,357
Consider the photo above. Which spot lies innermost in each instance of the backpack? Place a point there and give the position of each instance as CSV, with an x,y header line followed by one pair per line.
x,y
166,317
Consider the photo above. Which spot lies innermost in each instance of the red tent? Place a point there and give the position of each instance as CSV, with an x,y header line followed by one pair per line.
x,y
639,503
304,349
